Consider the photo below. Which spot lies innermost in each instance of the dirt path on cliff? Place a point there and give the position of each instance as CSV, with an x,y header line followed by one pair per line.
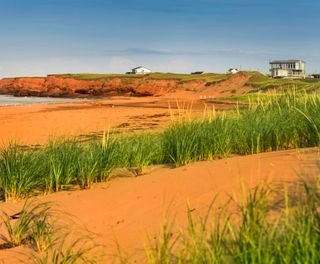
x,y
130,209
234,85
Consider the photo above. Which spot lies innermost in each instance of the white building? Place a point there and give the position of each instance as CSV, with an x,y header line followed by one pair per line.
x,y
233,71
140,70
288,69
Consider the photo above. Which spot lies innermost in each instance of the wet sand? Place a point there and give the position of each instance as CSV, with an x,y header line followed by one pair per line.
x,y
36,124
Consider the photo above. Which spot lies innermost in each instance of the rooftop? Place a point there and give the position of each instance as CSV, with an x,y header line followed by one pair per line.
x,y
139,67
285,61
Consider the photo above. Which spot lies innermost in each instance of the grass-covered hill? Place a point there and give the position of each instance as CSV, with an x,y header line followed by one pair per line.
x,y
261,82
157,75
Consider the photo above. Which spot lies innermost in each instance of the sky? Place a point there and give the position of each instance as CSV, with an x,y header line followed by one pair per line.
x,y
40,37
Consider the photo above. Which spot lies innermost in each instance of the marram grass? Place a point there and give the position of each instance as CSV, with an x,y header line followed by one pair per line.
x,y
274,122
48,234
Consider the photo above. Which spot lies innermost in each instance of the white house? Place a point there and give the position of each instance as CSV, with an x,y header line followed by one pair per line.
x,y
288,69
140,70
233,70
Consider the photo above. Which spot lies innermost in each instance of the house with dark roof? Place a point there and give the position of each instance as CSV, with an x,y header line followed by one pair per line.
x,y
232,71
140,70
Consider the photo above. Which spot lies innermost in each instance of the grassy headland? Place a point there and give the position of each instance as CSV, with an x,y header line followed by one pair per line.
x,y
258,81
156,75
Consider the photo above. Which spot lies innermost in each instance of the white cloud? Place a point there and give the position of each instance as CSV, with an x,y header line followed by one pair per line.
x,y
120,65
42,67
179,65
37,67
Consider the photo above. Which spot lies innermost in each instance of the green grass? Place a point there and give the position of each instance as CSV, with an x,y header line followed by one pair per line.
x,y
33,224
274,122
20,172
95,76
48,234
62,164
262,82
249,97
78,251
210,77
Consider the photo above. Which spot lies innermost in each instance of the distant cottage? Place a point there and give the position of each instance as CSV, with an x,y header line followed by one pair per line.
x,y
140,70
288,69
233,71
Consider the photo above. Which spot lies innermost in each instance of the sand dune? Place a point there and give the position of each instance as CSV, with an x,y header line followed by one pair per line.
x,y
130,209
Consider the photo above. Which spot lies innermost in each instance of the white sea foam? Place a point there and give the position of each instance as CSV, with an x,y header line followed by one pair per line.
x,y
13,100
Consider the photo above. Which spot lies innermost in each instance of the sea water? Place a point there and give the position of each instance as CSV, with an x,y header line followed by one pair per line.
x,y
13,100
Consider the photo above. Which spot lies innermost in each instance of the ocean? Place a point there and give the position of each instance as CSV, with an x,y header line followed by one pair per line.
x,y
13,100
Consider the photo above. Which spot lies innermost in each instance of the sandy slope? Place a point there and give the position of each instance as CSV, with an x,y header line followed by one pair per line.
x,y
130,208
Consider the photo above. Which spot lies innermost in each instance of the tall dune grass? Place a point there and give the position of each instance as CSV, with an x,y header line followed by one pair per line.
x,y
62,164
273,123
19,172
49,234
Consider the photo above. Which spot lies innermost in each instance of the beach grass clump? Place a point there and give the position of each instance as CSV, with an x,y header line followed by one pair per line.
x,y
278,122
79,250
50,237
105,155
189,141
62,164
125,151
288,235
19,172
32,224
86,172
265,229
273,123
140,151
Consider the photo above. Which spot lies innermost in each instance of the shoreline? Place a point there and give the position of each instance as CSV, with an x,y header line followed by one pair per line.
x,y
27,100
34,124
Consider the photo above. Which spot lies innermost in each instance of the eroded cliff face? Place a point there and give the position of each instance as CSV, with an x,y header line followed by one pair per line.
x,y
59,86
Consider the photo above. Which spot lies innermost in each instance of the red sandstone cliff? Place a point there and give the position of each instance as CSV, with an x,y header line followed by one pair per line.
x,y
60,86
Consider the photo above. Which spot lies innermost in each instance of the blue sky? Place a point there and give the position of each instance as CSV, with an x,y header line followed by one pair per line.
x,y
60,36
